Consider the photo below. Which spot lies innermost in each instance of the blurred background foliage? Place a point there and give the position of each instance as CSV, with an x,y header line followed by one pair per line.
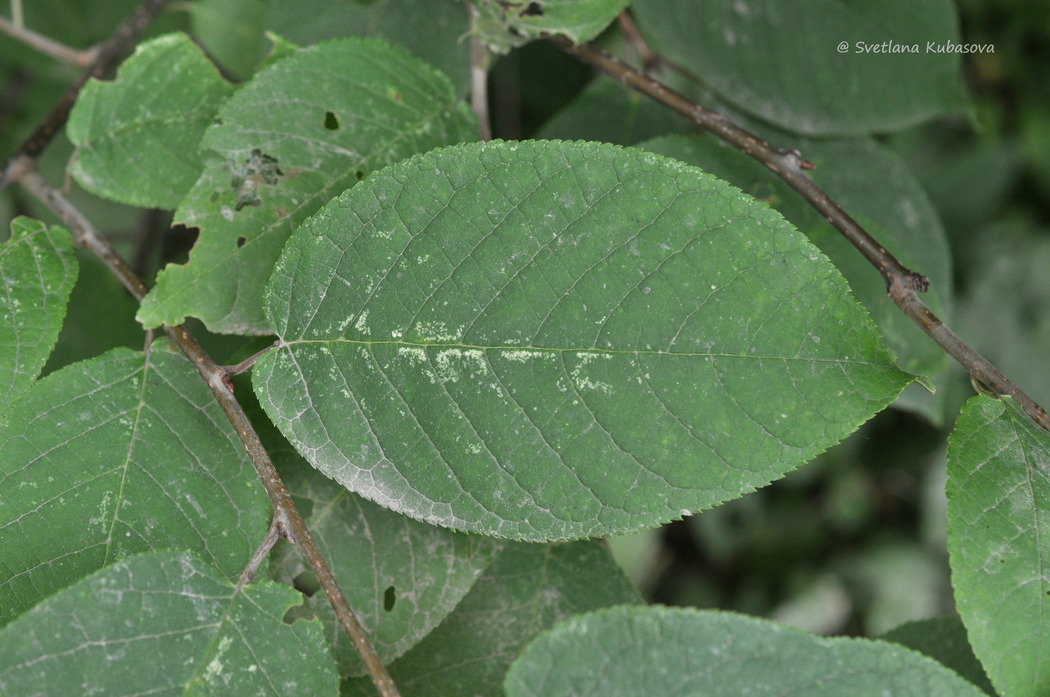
x,y
852,543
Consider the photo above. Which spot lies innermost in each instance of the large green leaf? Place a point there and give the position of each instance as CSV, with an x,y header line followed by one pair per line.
x,y
527,589
503,25
415,575
116,455
641,652
817,67
138,137
998,517
304,129
37,273
551,340
165,623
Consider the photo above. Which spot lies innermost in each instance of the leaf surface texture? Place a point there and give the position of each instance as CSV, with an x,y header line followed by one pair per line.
x,y
561,340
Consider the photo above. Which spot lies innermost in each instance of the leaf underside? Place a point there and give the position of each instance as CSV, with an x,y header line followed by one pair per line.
x,y
561,340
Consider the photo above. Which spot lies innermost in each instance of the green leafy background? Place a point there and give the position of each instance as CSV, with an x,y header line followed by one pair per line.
x,y
838,535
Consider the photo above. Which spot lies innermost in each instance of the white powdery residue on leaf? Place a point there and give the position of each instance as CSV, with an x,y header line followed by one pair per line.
x,y
214,669
450,361
361,324
584,382
519,356
103,511
413,353
418,357
438,332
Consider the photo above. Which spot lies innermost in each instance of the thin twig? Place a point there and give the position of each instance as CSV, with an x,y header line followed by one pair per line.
x,y
246,365
259,555
48,46
479,77
286,518
902,284
646,57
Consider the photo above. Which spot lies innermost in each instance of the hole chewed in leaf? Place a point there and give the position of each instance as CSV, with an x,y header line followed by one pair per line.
x,y
389,598
306,583
331,121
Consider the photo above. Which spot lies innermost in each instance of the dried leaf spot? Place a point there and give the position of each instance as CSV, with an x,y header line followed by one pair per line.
x,y
246,179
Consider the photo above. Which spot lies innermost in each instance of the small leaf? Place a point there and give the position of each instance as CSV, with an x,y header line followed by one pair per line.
x,y
552,340
504,24
117,455
37,273
998,513
526,590
415,576
304,129
165,623
432,31
138,137
816,68
641,652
